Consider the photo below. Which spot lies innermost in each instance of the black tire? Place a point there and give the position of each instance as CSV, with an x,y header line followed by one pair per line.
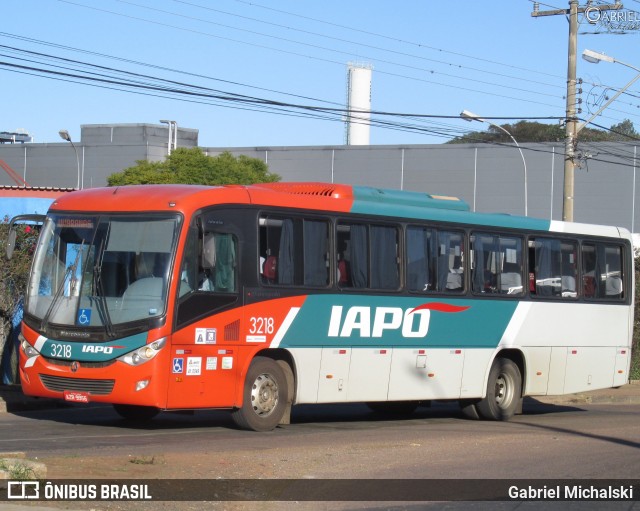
x,y
264,396
504,391
394,407
136,412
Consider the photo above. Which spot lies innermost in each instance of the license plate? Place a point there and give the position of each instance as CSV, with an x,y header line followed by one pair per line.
x,y
76,397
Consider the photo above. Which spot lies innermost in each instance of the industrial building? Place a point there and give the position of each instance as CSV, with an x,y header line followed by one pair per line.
x,y
491,178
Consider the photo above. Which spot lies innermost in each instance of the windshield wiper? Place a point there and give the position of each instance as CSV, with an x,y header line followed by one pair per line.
x,y
103,308
67,275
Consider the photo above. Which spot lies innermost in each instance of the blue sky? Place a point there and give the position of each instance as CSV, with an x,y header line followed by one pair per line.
x,y
492,58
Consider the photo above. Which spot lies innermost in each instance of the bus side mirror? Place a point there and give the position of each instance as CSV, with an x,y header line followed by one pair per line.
x,y
11,242
11,238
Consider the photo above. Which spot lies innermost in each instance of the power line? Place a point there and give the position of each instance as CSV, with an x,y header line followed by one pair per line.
x,y
326,60
399,40
118,78
308,32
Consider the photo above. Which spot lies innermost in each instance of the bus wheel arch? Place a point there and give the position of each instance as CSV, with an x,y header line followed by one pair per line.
x,y
504,387
267,393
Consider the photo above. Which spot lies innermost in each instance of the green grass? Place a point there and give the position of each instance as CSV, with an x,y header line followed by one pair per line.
x,y
17,471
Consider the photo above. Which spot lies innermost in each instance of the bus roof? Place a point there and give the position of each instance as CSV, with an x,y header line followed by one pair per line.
x,y
313,196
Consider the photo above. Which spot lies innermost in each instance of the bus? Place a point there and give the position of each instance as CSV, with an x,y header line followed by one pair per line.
x,y
257,298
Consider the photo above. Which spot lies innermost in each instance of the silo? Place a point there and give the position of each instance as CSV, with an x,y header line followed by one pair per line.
x,y
358,127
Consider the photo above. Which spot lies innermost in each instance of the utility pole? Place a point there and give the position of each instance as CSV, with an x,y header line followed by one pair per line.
x,y
571,135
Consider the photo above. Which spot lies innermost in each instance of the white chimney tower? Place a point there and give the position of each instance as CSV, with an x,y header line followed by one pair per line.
x,y
358,127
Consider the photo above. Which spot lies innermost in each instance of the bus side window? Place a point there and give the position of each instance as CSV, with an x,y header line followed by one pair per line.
x,y
496,264
555,267
209,263
368,256
450,262
421,258
218,263
602,275
293,251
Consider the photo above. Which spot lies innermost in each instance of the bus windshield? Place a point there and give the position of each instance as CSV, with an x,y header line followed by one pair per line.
x,y
101,271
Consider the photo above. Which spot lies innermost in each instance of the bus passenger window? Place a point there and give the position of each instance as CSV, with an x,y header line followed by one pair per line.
x,y
555,268
385,273
368,256
602,274
315,252
435,260
353,248
450,261
496,264
293,251
421,259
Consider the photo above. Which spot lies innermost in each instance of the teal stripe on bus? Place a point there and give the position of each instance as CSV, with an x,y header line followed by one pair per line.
x,y
350,321
421,206
92,351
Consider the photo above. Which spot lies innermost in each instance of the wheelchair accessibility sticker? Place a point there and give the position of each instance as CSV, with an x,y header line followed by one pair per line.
x,y
178,365
84,317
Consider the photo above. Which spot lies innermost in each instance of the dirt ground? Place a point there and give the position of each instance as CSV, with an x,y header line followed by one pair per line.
x,y
197,465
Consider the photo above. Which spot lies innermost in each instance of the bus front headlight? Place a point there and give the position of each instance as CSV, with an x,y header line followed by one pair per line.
x,y
143,354
28,350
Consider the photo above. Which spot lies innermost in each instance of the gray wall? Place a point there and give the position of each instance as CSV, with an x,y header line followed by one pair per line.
x,y
103,149
489,177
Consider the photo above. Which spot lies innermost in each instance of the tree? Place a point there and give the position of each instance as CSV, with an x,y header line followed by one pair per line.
x,y
192,166
525,131
624,131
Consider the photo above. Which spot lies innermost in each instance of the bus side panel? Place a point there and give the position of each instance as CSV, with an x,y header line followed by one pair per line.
x,y
557,371
422,374
477,363
623,365
537,360
205,362
583,339
555,323
202,376
369,374
334,375
307,363
589,368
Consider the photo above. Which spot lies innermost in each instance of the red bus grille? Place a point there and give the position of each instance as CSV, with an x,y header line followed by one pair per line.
x,y
60,384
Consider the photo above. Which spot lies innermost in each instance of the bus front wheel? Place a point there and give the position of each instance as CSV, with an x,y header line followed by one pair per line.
x,y
504,391
264,396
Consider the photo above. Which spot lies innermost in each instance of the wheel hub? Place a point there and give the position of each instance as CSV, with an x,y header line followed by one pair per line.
x,y
264,395
504,391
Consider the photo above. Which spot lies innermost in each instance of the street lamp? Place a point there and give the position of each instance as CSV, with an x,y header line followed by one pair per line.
x,y
470,116
64,135
173,134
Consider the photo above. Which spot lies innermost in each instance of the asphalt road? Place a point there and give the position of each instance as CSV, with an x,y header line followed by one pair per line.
x,y
547,441
584,441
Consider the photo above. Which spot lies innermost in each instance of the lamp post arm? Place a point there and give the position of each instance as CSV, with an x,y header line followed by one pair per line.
x,y
526,209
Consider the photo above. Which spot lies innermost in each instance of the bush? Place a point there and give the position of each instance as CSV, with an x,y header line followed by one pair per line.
x,y
634,372
13,282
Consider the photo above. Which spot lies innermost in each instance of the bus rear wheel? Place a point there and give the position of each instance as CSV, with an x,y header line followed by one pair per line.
x,y
504,391
136,413
264,396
